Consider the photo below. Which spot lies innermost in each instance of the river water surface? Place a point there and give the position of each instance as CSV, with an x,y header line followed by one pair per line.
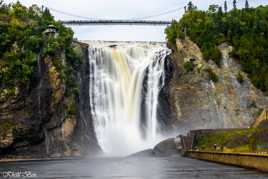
x,y
132,168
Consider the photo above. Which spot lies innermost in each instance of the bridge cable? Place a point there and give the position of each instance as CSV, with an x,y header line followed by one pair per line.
x,y
181,6
160,14
69,14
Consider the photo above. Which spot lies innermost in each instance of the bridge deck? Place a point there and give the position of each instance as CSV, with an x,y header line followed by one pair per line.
x,y
115,22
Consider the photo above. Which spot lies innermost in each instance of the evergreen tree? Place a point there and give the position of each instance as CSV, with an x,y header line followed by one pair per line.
x,y
220,12
244,30
225,6
234,4
190,6
247,5
213,8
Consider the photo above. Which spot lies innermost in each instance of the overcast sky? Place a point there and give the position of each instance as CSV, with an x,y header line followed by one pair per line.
x,y
124,9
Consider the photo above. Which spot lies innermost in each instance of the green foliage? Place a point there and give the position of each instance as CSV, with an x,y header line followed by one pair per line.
x,y
189,66
245,29
212,53
7,125
22,40
173,32
234,139
212,75
240,78
73,57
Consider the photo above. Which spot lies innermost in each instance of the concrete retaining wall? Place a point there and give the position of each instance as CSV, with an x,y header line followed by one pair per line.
x,y
256,161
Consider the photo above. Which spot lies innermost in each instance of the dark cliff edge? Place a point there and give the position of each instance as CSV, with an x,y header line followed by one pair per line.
x,y
42,120
85,134
165,115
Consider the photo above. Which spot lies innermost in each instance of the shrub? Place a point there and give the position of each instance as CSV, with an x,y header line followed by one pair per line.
x,y
240,78
212,75
189,66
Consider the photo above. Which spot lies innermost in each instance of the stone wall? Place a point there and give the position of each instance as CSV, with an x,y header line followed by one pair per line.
x,y
255,161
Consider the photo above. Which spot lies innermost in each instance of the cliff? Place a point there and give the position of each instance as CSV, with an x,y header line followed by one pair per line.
x,y
44,86
202,94
49,117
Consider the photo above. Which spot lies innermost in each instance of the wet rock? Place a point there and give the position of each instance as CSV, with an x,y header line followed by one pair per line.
x,y
144,153
6,139
165,115
165,148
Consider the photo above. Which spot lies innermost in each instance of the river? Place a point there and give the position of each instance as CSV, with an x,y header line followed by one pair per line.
x,y
131,168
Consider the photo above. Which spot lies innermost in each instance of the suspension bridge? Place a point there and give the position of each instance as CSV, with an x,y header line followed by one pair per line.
x,y
146,20
83,20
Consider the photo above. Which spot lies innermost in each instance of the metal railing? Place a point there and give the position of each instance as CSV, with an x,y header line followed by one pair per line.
x,y
115,22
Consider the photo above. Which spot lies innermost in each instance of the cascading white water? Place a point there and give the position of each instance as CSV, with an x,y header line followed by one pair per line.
x,y
117,76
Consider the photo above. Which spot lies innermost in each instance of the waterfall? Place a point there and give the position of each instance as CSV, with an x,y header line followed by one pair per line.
x,y
121,77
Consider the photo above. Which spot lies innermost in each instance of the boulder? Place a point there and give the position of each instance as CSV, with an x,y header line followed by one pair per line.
x,y
165,148
144,153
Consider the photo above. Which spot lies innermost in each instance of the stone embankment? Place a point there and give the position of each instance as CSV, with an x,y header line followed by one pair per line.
x,y
239,147
247,160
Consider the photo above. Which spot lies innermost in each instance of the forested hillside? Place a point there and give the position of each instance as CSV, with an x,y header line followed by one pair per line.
x,y
245,29
22,42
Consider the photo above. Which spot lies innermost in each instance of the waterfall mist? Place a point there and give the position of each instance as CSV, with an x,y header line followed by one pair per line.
x,y
119,73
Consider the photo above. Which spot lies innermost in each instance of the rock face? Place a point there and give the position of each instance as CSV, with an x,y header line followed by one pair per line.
x,y
165,148
203,95
41,120
165,113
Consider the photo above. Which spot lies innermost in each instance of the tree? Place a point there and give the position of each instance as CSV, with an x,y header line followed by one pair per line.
x,y
247,5
225,6
213,8
220,12
244,30
190,6
234,5
22,41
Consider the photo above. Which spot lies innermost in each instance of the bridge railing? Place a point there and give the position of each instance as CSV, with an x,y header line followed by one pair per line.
x,y
115,22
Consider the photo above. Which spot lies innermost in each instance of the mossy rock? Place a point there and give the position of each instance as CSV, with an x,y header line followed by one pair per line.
x,y
237,141
7,125
6,133
212,75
